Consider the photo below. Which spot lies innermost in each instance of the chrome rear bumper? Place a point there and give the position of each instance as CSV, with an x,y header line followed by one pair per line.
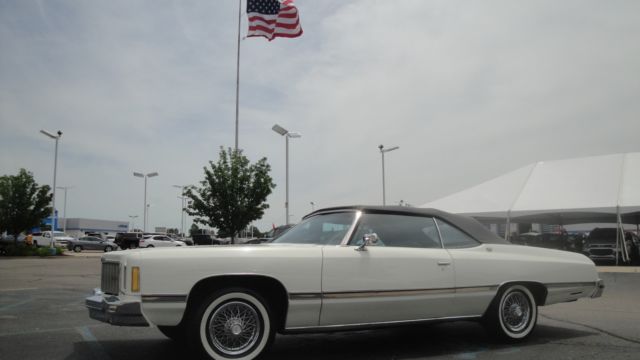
x,y
597,292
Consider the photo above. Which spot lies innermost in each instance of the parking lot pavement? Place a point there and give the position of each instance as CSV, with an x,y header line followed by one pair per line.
x,y
42,316
85,253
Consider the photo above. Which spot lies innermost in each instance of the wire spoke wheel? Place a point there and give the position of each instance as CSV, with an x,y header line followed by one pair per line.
x,y
234,327
515,311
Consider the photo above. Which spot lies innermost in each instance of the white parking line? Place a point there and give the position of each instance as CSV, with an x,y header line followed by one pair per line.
x,y
10,306
94,344
17,289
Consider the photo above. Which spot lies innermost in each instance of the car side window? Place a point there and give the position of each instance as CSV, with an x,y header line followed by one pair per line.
x,y
453,238
398,231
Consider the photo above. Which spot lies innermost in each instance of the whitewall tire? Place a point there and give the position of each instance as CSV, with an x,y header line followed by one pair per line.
x,y
513,314
232,324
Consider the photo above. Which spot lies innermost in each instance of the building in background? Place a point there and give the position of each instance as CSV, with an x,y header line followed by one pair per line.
x,y
77,227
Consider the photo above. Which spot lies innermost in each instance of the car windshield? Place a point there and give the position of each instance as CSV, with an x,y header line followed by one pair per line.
x,y
323,229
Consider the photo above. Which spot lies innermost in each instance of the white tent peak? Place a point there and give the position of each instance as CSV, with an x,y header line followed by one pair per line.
x,y
586,189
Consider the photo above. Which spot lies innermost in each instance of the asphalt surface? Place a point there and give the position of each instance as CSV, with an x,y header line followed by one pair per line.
x,y
42,316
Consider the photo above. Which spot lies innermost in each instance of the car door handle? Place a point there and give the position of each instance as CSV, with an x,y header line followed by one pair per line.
x,y
444,262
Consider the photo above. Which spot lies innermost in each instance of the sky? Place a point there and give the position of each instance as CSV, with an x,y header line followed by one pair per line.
x,y
468,90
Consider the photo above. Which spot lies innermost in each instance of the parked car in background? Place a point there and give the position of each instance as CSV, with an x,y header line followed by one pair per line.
x,y
550,240
188,241
206,239
273,233
150,241
341,268
44,239
91,243
128,240
601,245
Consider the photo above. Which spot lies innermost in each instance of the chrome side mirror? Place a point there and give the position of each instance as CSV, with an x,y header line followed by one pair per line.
x,y
368,240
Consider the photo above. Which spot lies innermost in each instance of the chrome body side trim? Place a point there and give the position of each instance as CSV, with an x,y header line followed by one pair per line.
x,y
305,296
386,293
163,298
570,285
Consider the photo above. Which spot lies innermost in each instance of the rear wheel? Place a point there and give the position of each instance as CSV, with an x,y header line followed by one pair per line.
x,y
231,324
108,248
150,246
77,248
513,314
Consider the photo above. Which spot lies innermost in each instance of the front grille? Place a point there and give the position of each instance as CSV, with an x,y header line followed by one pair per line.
x,y
110,282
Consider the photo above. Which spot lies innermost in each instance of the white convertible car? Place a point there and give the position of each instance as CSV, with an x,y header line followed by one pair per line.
x,y
339,269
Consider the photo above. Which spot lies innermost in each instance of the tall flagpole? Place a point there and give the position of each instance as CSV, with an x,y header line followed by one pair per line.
x,y
238,73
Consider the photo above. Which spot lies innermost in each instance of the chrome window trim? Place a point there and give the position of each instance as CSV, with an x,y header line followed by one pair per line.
x,y
347,236
439,233
478,243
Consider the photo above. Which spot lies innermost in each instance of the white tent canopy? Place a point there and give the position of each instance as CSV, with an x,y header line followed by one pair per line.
x,y
581,190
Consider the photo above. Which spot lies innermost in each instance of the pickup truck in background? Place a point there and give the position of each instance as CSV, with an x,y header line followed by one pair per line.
x,y
43,239
128,240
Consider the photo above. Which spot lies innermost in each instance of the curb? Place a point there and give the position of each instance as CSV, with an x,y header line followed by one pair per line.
x,y
618,269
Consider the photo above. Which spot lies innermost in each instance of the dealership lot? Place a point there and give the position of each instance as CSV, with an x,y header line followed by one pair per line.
x,y
42,315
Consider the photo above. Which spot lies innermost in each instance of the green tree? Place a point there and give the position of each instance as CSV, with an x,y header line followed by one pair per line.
x,y
232,194
23,204
194,230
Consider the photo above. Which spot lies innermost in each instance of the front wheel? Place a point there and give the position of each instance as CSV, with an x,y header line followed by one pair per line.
x,y
513,314
108,248
231,324
77,248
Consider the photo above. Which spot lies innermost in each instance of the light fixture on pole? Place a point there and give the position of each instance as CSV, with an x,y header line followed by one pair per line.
x,y
382,152
145,176
181,197
287,134
313,205
65,188
55,170
133,218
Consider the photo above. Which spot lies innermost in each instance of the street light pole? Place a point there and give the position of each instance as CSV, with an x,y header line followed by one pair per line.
x,y
181,197
145,176
382,152
313,205
65,188
55,170
287,134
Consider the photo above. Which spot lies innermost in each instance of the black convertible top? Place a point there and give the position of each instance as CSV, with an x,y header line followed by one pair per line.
x,y
468,225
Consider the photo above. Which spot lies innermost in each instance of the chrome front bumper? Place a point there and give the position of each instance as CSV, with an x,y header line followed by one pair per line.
x,y
111,309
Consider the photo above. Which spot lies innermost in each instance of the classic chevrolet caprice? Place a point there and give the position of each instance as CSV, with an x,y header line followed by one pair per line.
x,y
339,269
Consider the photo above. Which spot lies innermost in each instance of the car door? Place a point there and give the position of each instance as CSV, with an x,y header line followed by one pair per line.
x,y
478,270
406,276
95,243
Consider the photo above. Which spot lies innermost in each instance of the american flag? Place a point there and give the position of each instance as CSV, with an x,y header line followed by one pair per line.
x,y
273,18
